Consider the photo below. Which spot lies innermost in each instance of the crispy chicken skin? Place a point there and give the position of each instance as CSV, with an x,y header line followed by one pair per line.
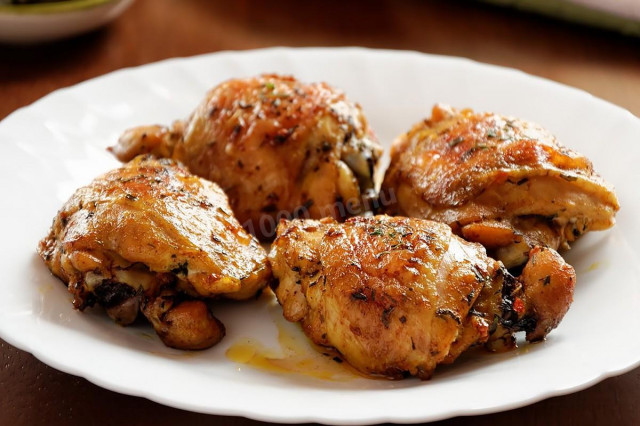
x,y
503,182
152,237
397,296
278,147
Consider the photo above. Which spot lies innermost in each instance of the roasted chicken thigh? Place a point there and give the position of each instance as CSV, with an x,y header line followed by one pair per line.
x,y
276,146
500,181
397,296
151,237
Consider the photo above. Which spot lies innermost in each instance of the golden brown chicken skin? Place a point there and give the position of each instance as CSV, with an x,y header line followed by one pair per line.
x,y
276,146
500,181
152,237
397,296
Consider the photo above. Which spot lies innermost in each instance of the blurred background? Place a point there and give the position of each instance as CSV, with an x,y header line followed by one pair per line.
x,y
591,45
605,62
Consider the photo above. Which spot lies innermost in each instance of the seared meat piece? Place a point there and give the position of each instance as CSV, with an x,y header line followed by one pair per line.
x,y
397,296
278,148
151,237
500,181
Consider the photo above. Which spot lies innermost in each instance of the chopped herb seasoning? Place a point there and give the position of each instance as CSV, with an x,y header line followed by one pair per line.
x,y
568,178
443,313
468,153
359,295
494,324
386,314
479,273
456,141
476,313
181,269
470,296
382,253
281,138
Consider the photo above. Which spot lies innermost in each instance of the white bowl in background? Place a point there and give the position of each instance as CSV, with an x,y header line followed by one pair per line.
x,y
41,22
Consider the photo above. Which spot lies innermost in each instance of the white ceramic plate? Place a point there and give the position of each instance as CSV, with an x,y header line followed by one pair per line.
x,y
57,144
43,22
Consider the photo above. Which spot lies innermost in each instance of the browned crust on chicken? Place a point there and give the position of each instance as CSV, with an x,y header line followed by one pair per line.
x,y
278,147
148,228
462,168
397,296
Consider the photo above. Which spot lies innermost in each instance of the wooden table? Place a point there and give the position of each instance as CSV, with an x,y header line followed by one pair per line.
x,y
605,64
